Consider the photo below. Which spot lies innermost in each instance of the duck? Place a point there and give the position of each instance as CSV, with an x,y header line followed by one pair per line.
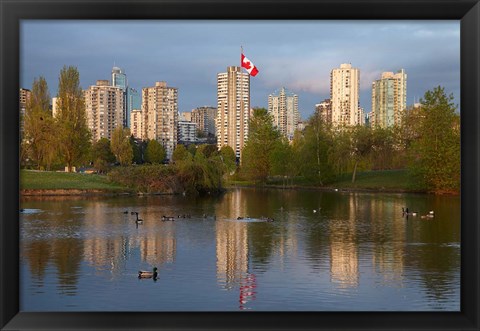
x,y
431,214
125,212
168,218
148,274
138,220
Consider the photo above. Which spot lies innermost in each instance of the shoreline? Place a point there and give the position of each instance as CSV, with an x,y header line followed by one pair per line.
x,y
106,192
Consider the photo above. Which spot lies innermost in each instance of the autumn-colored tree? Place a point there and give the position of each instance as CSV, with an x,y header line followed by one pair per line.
x,y
73,133
121,147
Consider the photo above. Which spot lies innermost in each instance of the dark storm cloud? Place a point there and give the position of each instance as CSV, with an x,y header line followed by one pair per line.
x,y
296,54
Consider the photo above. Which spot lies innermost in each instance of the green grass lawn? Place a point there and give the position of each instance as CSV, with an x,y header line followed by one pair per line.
x,y
370,180
50,180
384,179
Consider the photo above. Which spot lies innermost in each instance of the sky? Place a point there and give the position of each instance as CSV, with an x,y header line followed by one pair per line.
x,y
297,55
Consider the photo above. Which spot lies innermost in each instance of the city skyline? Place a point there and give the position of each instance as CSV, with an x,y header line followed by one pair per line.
x,y
190,54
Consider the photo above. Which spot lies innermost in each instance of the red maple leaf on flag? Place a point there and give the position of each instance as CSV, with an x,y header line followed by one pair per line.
x,y
247,64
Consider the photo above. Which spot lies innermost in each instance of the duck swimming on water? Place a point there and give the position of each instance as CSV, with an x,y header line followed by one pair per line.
x,y
148,274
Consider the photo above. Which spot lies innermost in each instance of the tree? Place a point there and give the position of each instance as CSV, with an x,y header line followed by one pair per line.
x,y
74,135
39,141
313,151
228,158
361,146
435,155
181,154
281,159
261,141
102,155
207,150
137,150
121,147
155,153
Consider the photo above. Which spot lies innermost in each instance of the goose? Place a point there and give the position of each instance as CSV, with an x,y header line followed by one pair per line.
x,y
148,274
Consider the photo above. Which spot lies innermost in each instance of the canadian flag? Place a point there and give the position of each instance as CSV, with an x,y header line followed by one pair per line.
x,y
249,66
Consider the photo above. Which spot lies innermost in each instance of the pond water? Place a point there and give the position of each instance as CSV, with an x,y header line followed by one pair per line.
x,y
324,251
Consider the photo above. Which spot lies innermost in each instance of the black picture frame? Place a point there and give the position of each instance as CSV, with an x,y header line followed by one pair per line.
x,y
13,11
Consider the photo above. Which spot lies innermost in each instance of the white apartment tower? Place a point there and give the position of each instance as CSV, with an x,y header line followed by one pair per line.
x,y
389,99
160,115
104,109
344,95
283,106
233,109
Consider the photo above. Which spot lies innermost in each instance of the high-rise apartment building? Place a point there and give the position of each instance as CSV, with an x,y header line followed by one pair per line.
x,y
344,95
233,104
24,99
324,109
136,123
205,117
187,132
389,99
283,106
104,109
160,115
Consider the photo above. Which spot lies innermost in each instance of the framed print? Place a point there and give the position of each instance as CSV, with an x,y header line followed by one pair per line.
x,y
239,165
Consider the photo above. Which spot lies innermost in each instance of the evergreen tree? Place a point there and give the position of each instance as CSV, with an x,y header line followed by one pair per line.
x,y
102,155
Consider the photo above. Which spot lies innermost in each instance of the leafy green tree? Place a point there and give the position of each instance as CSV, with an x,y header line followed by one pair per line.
x,y
261,141
155,153
361,146
102,155
207,150
192,149
313,151
121,147
340,151
73,133
39,141
435,155
181,154
282,159
228,158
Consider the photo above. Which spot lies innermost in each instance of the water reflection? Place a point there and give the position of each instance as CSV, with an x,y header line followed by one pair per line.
x,y
321,244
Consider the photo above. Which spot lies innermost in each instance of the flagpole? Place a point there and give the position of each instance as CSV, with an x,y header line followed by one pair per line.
x,y
242,110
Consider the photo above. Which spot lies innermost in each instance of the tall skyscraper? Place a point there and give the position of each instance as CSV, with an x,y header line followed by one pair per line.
x,y
160,111
283,106
233,104
344,95
133,101
389,99
104,109
119,79
205,117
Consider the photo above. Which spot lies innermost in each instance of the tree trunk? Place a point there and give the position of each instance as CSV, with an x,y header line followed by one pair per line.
x,y
354,172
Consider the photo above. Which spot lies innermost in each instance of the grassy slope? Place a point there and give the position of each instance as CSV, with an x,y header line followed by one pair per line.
x,y
49,180
374,180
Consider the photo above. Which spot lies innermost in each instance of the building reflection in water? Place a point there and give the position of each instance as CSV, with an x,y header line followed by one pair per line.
x,y
232,249
343,248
